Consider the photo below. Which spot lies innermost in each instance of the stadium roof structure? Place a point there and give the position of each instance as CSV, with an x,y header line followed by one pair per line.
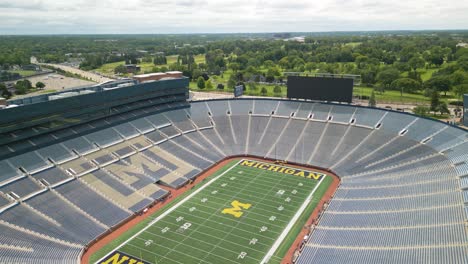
x,y
404,179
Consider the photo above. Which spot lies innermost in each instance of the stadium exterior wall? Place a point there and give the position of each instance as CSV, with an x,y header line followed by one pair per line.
x,y
465,110
58,114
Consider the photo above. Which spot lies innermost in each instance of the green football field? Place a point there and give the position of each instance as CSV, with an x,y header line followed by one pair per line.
x,y
248,212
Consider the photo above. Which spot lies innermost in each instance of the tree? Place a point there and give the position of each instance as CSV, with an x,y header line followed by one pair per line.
x,y
372,102
435,55
277,90
232,81
406,85
40,85
209,85
458,77
460,90
443,109
120,69
386,77
268,63
196,73
440,83
234,66
421,110
160,60
201,83
462,62
361,61
416,62
220,86
264,91
22,87
4,91
252,86
435,101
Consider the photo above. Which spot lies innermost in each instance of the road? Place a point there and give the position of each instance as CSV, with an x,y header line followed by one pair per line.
x,y
90,75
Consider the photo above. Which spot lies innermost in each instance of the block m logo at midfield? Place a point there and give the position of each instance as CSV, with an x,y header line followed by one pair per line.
x,y
236,209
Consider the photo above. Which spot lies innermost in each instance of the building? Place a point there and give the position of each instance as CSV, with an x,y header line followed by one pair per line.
x,y
157,76
31,67
37,115
132,68
465,110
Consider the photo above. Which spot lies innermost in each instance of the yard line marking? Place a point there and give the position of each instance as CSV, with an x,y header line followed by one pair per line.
x,y
227,217
241,237
265,196
253,187
171,210
294,203
290,225
254,213
202,241
240,229
217,210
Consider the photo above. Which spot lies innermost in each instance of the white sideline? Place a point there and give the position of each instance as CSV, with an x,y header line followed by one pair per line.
x,y
168,211
290,225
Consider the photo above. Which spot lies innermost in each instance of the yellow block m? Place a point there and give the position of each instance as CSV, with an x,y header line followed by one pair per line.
x,y
236,209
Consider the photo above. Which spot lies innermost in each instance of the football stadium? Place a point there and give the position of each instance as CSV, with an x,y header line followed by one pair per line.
x,y
131,171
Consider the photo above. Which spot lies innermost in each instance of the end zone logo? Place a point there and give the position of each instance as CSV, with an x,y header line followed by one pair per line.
x,y
121,258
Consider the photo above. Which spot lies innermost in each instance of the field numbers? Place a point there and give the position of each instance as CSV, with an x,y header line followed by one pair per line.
x,y
148,242
253,241
224,185
300,184
280,192
263,229
204,200
192,209
272,218
287,200
184,227
294,191
242,255
232,178
180,218
214,192
280,208
164,230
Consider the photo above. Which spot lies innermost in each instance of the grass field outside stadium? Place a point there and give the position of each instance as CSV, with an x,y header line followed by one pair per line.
x,y
247,212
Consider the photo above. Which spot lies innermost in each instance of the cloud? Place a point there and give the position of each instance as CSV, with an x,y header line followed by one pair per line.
x,y
192,16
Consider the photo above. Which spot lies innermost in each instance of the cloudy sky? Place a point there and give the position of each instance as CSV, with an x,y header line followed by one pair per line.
x,y
213,16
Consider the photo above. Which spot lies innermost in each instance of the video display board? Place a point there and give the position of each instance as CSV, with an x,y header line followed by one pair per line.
x,y
321,88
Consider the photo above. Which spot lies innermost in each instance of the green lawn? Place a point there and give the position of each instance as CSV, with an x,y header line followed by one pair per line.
x,y
426,74
108,68
48,91
199,229
392,96
23,73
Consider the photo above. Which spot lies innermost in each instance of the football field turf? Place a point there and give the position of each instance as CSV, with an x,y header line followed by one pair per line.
x,y
249,212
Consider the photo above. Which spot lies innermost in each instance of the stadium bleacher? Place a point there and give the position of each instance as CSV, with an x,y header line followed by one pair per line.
x,y
403,197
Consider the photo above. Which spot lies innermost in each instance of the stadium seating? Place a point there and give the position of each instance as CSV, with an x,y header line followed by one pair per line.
x,y
403,196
